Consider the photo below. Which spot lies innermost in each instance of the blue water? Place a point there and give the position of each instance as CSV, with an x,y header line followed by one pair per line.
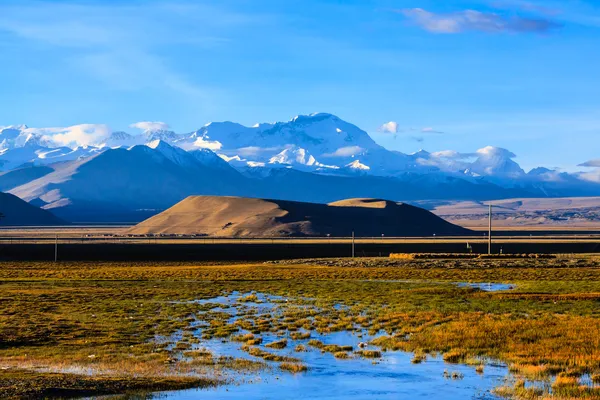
x,y
487,287
391,377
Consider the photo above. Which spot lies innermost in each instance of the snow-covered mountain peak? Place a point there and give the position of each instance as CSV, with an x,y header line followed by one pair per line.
x,y
294,155
209,158
163,135
318,142
539,171
421,154
156,144
120,135
122,139
357,165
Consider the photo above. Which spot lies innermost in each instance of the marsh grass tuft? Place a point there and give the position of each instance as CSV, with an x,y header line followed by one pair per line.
x,y
293,367
369,353
280,344
341,355
418,358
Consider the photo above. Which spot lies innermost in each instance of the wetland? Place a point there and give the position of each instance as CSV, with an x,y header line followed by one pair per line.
x,y
334,328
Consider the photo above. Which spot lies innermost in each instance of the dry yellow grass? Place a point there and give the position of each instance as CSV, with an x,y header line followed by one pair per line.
x,y
59,315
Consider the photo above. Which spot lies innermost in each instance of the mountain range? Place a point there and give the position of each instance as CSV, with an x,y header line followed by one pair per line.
x,y
87,173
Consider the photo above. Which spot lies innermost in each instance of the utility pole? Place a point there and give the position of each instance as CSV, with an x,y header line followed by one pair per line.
x,y
352,244
490,231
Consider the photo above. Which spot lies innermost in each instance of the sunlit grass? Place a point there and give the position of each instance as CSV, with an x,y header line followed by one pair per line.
x,y
111,317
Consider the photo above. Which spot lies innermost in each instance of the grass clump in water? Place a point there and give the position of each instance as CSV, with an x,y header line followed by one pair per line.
x,y
418,358
293,367
300,348
280,344
300,335
369,353
251,298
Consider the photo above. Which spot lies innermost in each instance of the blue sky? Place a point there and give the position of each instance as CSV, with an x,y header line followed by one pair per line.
x,y
460,75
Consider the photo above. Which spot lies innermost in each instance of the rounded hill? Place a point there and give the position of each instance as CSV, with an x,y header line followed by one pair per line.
x,y
223,216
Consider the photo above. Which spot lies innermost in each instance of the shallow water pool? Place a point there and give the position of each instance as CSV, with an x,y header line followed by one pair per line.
x,y
392,376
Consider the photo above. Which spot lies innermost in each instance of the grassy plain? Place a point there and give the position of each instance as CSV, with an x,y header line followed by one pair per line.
x,y
81,328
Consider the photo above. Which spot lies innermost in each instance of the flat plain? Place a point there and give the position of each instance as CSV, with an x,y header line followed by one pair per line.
x,y
83,329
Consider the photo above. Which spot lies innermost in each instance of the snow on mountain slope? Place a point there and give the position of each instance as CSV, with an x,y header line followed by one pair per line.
x,y
357,165
122,139
319,143
128,179
210,159
299,158
34,154
174,154
294,155
316,133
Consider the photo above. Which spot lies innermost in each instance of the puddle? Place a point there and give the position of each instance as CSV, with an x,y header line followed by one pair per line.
x,y
392,376
487,287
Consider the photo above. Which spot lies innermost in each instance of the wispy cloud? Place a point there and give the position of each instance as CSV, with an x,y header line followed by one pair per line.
x,y
348,151
73,136
430,130
472,20
418,135
125,46
452,155
150,126
591,175
526,6
591,164
394,127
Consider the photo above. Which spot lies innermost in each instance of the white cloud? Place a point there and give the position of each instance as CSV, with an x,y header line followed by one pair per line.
x,y
73,136
430,130
149,126
591,164
200,143
122,45
256,151
491,151
472,20
593,176
394,128
389,127
345,152
452,154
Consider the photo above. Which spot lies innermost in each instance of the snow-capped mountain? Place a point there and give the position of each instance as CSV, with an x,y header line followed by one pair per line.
x,y
318,151
299,158
122,139
357,165
316,133
294,155
31,153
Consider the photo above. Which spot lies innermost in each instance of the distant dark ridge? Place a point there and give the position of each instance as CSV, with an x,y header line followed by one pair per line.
x,y
17,212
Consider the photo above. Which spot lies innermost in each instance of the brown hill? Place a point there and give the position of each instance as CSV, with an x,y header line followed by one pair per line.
x,y
248,217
